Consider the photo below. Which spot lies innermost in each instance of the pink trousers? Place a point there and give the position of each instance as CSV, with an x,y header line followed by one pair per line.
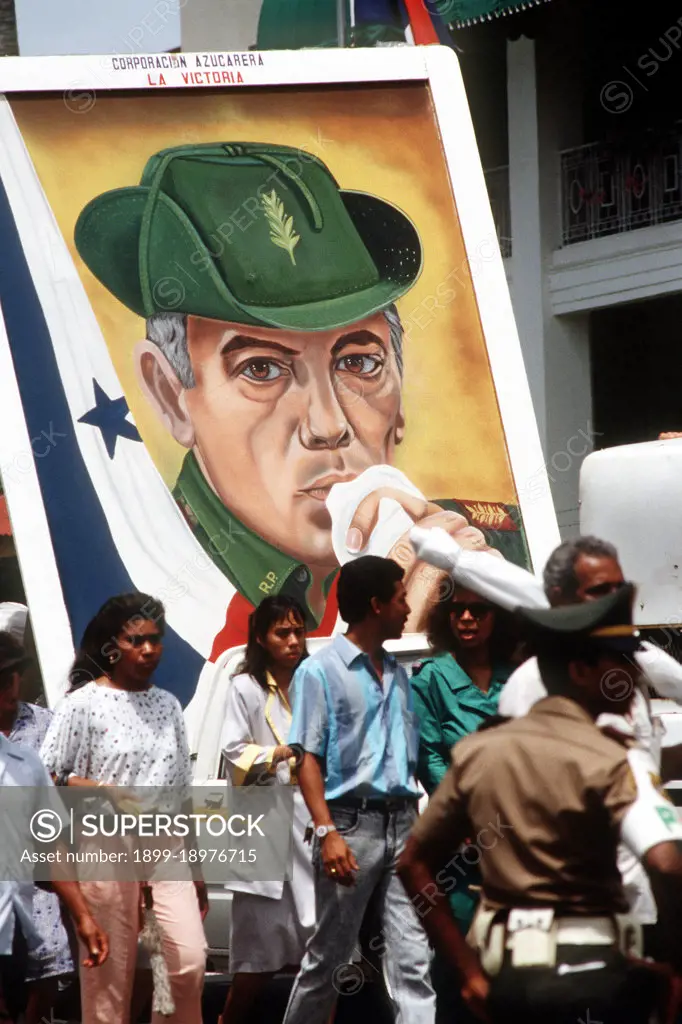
x,y
106,991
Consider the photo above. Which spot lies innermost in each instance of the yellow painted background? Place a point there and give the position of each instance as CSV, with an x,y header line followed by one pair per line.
x,y
382,140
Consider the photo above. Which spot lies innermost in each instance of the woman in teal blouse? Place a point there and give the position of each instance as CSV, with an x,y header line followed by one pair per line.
x,y
455,691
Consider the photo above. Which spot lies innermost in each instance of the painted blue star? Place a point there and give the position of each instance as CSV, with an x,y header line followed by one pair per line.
x,y
109,414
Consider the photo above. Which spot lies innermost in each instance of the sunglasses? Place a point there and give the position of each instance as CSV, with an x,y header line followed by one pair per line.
x,y
604,589
154,639
475,608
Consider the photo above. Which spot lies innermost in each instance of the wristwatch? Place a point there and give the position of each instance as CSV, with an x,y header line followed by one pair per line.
x,y
322,830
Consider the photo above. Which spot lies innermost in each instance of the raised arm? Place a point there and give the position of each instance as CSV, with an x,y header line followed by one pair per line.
x,y
663,672
499,581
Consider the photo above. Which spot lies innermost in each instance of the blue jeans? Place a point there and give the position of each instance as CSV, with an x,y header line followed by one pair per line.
x,y
376,839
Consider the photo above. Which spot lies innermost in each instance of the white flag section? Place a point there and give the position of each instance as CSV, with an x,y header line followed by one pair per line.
x,y
157,547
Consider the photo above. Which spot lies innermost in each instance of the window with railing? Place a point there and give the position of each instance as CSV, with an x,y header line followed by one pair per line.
x,y
608,189
497,181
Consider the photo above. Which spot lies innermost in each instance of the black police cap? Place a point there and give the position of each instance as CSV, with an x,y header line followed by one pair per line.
x,y
605,623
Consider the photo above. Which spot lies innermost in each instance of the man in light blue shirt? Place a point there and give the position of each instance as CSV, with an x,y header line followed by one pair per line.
x,y
355,729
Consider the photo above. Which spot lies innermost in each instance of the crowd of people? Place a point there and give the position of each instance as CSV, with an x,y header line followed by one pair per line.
x,y
541,881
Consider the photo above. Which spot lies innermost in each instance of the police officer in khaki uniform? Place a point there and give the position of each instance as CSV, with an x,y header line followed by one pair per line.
x,y
543,801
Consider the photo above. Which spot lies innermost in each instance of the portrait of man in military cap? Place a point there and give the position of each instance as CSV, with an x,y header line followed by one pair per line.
x,y
273,353
267,332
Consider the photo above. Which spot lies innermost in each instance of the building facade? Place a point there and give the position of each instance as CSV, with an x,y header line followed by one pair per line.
x,y
576,112
581,138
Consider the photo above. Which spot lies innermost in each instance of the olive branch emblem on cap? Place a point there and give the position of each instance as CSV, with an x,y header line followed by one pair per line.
x,y
281,226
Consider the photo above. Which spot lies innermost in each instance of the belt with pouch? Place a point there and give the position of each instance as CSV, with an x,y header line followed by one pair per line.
x,y
532,935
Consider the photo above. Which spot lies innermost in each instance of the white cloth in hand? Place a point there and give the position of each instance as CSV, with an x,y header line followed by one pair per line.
x,y
392,523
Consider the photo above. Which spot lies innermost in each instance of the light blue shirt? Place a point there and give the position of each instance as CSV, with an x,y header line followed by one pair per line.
x,y
18,767
365,731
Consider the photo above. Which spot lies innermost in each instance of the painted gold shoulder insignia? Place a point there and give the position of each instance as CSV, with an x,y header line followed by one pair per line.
x,y
490,514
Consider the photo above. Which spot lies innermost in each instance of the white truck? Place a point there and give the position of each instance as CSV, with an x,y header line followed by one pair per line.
x,y
632,495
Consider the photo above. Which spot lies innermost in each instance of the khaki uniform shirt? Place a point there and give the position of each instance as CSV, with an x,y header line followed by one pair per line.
x,y
545,800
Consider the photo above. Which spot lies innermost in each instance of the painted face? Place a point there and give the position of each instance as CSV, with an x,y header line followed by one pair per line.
x,y
278,417
140,645
472,619
284,641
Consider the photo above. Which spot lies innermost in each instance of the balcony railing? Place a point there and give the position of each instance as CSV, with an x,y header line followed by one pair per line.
x,y
607,190
497,181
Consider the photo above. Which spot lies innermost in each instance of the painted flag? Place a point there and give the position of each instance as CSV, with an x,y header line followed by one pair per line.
x,y
91,515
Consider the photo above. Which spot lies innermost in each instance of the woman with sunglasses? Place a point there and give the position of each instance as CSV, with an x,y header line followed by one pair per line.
x,y
457,690
115,728
271,921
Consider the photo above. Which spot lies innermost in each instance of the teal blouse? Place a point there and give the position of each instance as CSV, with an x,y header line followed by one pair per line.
x,y
449,706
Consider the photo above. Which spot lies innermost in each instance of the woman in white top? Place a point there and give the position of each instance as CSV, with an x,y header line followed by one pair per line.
x,y
271,921
116,728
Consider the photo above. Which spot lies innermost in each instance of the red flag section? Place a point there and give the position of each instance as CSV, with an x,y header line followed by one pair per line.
x,y
5,528
420,20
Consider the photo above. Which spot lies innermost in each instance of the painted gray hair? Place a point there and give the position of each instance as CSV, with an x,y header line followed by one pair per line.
x,y
168,331
559,574
396,334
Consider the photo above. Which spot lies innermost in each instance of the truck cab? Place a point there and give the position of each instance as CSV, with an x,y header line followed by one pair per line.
x,y
631,495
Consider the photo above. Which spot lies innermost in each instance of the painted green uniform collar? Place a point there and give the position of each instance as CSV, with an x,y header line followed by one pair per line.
x,y
255,567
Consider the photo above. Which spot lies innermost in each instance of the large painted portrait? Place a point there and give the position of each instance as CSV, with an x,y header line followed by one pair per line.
x,y
246,324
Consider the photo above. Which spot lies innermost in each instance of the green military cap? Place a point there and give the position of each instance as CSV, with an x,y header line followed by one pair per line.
x,y
249,232
604,623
